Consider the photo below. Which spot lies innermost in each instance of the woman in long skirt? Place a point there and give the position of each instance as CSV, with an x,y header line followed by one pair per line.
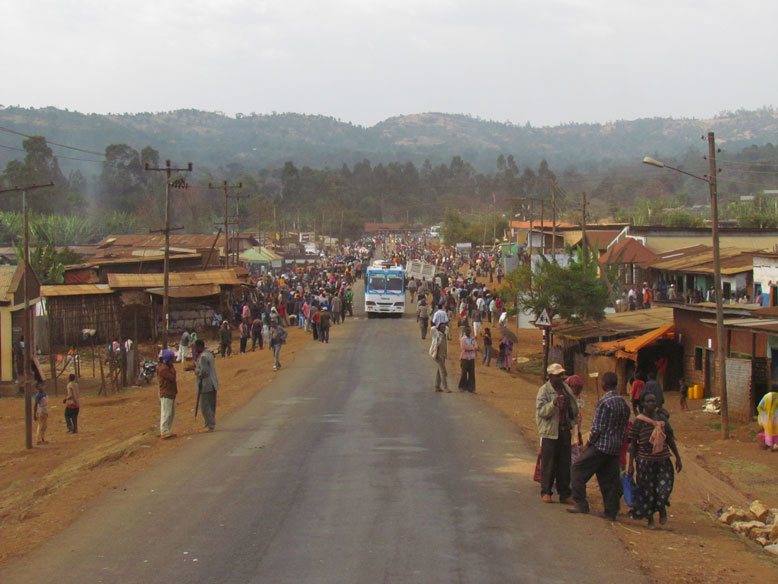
x,y
651,440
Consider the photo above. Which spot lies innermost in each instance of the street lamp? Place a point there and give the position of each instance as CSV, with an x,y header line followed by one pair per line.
x,y
721,363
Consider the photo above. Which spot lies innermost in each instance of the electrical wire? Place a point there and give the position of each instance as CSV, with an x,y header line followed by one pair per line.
x,y
9,131
55,156
744,163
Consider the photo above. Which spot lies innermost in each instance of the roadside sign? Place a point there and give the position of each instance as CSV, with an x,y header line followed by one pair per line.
x,y
543,320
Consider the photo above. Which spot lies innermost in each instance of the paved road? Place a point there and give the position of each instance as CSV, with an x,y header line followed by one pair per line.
x,y
347,469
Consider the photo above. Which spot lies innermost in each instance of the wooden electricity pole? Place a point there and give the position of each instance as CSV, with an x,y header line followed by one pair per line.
x,y
168,170
583,228
553,218
226,189
28,342
721,351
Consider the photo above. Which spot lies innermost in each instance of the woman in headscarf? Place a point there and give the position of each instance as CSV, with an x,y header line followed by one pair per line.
x,y
768,419
652,439
168,389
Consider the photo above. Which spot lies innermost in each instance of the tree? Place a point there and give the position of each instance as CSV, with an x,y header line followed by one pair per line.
x,y
454,228
40,166
48,263
123,182
574,292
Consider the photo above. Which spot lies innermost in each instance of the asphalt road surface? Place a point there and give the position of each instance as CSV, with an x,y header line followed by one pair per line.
x,y
348,468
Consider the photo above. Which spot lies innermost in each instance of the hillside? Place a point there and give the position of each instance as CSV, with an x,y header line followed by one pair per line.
x,y
255,141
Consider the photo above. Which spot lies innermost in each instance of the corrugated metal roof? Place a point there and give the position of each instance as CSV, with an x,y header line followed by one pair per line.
x,y
198,291
75,290
699,260
6,278
570,237
198,241
660,244
221,277
619,324
156,256
631,251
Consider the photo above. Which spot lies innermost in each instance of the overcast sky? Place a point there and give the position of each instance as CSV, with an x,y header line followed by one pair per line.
x,y
543,61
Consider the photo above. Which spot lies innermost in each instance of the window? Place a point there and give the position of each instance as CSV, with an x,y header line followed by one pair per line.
x,y
394,283
698,358
377,283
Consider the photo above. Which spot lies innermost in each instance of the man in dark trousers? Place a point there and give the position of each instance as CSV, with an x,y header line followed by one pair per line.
x,y
600,454
207,385
556,411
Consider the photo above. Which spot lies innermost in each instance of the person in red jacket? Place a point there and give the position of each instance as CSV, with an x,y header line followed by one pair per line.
x,y
168,389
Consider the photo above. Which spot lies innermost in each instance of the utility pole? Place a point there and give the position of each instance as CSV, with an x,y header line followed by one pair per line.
x,y
553,217
542,228
28,344
226,188
168,170
721,355
529,241
583,229
237,197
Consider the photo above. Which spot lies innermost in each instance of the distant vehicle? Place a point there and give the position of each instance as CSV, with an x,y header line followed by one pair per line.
x,y
434,231
419,270
384,289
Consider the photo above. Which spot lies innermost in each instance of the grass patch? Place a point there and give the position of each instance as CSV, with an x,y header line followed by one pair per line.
x,y
530,367
717,426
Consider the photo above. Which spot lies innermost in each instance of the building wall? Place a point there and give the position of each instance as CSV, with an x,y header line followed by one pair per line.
x,y
765,271
739,389
695,338
743,342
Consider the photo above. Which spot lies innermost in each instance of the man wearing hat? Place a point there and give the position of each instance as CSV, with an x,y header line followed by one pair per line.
x,y
556,411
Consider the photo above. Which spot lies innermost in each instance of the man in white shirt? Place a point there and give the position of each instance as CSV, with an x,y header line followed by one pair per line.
x,y
440,317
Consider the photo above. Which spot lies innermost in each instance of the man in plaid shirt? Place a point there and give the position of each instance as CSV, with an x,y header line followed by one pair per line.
x,y
600,454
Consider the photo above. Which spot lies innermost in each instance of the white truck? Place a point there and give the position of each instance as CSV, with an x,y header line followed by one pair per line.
x,y
420,271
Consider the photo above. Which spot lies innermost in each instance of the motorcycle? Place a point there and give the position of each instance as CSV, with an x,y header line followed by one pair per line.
x,y
148,369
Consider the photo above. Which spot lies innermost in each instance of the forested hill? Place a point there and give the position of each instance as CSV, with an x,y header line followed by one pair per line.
x,y
211,139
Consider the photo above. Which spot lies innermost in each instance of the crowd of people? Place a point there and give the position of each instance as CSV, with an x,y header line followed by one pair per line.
x,y
313,298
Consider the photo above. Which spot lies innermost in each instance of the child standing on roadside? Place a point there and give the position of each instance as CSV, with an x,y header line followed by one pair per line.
x,y
683,389
42,414
72,403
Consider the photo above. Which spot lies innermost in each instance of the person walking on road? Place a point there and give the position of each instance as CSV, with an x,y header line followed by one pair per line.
x,y
72,403
207,385
423,317
556,411
225,339
168,389
600,453
439,351
277,339
469,347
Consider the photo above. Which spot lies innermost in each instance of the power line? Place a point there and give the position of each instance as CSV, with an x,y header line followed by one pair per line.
x,y
8,130
56,156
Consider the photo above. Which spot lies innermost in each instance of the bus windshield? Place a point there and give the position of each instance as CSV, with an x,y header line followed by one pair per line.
x,y
377,283
394,283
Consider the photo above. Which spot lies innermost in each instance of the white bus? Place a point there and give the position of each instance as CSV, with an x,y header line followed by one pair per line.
x,y
385,289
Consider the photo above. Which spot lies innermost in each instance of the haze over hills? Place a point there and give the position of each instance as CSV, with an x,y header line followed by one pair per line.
x,y
211,139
